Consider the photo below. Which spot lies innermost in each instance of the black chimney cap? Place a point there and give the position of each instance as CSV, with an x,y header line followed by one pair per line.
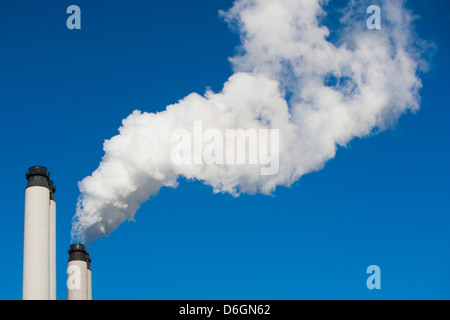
x,y
77,251
77,247
37,171
38,176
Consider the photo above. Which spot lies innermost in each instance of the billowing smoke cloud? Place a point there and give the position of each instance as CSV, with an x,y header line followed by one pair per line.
x,y
289,75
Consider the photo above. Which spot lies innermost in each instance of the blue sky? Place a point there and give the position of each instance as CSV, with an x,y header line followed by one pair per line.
x,y
383,200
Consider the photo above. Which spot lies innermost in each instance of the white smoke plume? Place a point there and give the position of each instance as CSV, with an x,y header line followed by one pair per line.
x,y
290,76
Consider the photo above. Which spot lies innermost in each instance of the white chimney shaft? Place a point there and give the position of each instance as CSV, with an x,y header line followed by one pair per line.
x,y
52,240
36,261
77,276
89,277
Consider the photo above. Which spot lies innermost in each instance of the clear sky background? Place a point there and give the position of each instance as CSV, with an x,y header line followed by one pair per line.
x,y
383,200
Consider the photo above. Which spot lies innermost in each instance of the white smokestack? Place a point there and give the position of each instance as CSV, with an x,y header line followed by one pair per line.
x,y
36,260
289,77
77,273
89,277
52,241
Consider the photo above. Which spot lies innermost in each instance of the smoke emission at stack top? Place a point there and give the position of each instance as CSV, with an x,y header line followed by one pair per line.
x,y
351,87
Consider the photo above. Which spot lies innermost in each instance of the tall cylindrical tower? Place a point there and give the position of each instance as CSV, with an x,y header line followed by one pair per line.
x,y
89,277
52,240
77,281
36,259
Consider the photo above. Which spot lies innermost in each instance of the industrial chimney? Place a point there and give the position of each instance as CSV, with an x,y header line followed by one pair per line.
x,y
36,250
89,277
78,273
52,240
